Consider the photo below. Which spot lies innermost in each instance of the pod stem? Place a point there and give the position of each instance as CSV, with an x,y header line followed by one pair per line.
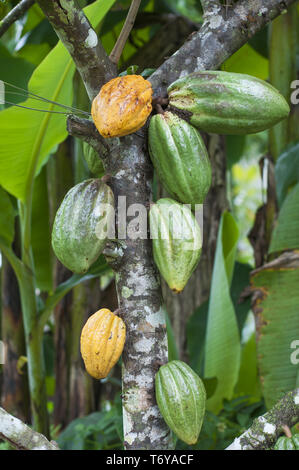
x,y
286,430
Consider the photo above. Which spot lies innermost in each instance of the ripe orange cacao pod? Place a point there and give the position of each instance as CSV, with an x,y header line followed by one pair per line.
x,y
102,342
122,106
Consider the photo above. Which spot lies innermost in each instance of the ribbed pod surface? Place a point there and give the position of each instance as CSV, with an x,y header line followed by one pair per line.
x,y
177,241
228,103
102,342
76,238
287,443
180,158
181,398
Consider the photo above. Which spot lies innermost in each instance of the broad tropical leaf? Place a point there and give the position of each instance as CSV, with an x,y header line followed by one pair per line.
x,y
27,137
287,171
7,218
286,233
278,327
222,348
247,60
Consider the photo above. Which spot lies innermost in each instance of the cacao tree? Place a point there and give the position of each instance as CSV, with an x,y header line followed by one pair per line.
x,y
127,152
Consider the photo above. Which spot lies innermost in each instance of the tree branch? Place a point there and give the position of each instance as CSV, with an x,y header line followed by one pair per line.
x,y
16,13
125,32
87,131
218,39
210,6
22,436
266,429
80,39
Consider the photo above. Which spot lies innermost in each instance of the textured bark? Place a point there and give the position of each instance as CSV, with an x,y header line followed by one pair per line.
x,y
181,306
222,34
15,393
266,429
74,30
21,436
140,301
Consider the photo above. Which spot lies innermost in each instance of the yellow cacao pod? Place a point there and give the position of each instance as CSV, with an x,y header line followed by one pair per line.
x,y
122,106
102,342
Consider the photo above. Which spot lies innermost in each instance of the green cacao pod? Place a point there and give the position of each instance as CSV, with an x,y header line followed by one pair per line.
x,y
180,158
177,241
228,103
181,398
93,160
81,224
287,443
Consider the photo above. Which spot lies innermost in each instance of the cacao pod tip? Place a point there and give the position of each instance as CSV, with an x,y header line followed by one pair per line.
x,y
176,290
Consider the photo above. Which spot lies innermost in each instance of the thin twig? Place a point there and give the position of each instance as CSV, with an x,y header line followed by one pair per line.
x,y
287,430
124,34
15,14
85,130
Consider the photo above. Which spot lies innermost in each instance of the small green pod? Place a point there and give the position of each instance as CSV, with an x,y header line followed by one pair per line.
x,y
177,241
181,398
93,160
81,224
180,158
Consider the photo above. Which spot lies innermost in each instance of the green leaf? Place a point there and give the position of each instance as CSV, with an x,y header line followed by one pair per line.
x,y
7,218
42,33
210,385
14,70
259,42
282,71
222,348
147,72
286,232
172,347
41,234
29,136
235,146
196,335
241,280
131,70
247,60
34,53
98,268
278,328
248,382
197,323
35,16
287,171
189,8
